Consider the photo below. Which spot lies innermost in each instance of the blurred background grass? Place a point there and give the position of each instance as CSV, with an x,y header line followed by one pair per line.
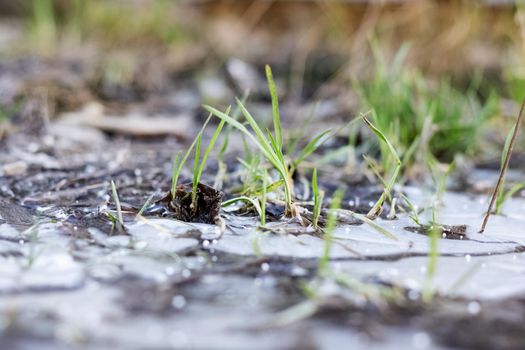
x,y
459,61
446,36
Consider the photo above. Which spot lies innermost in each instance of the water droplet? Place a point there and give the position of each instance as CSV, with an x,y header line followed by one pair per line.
x,y
468,257
205,244
186,273
474,307
265,267
413,295
178,302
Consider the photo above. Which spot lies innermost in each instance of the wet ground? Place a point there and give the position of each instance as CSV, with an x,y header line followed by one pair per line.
x,y
69,277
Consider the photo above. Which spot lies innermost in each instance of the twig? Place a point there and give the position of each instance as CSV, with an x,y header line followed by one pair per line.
x,y
503,169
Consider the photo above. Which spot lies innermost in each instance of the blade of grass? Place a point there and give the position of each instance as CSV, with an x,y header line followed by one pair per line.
x,y
314,144
383,138
513,190
374,225
177,170
263,197
117,205
196,166
275,109
434,233
413,209
378,206
252,201
501,195
503,169
318,199
148,201
264,145
331,222
201,164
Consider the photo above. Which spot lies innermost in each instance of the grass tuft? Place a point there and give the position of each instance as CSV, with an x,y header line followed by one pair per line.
x,y
378,206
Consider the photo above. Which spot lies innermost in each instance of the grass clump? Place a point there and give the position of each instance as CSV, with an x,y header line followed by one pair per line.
x,y
199,163
42,26
401,101
271,144
178,162
106,23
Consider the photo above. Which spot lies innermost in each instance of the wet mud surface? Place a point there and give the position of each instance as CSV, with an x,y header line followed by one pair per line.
x,y
69,278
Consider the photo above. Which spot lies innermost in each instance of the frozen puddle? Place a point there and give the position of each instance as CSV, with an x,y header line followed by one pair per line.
x,y
167,284
481,278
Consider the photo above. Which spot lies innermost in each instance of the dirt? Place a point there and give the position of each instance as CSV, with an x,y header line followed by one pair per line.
x,y
205,209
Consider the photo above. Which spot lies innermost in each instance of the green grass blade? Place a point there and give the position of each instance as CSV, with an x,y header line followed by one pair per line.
x,y
117,204
318,199
264,147
275,108
201,164
501,194
383,138
330,226
376,209
176,172
413,209
374,225
275,146
145,206
263,198
263,141
434,234
196,165
252,201
213,140
314,144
